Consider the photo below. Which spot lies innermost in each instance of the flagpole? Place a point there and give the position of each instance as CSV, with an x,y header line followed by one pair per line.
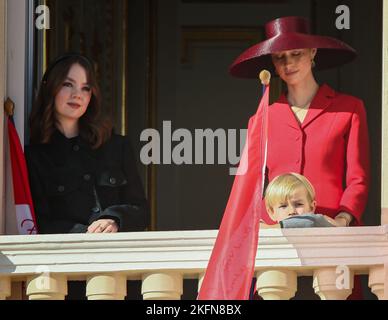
x,y
9,107
265,78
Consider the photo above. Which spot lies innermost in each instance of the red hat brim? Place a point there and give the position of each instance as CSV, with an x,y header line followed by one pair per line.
x,y
331,53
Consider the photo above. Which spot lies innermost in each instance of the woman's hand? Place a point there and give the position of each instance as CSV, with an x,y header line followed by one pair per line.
x,y
103,226
343,219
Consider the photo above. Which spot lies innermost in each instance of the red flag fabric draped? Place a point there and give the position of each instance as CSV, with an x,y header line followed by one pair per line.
x,y
25,216
231,266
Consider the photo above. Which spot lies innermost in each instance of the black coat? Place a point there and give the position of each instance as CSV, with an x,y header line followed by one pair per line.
x,y
73,185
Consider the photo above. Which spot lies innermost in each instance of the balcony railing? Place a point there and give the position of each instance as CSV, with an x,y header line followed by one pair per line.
x,y
161,260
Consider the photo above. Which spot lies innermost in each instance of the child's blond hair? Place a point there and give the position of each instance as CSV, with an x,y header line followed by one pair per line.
x,y
281,187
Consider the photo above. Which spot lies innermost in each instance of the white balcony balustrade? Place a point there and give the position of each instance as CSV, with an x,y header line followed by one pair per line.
x,y
162,260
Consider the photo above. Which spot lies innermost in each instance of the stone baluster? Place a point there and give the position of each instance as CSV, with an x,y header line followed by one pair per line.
x,y
333,283
276,284
162,286
200,280
378,279
5,287
47,286
106,287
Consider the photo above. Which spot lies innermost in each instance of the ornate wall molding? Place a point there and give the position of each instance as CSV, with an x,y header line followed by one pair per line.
x,y
216,35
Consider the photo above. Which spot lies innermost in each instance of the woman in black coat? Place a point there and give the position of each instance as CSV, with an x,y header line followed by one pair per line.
x,y
83,177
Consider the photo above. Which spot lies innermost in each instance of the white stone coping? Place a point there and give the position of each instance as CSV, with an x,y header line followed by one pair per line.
x,y
187,252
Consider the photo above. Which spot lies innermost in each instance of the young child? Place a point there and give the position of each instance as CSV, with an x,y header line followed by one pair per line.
x,y
290,201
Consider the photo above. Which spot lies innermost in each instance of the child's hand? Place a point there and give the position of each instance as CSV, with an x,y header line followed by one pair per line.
x,y
263,225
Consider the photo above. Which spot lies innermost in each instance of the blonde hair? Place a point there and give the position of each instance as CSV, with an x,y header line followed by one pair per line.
x,y
281,187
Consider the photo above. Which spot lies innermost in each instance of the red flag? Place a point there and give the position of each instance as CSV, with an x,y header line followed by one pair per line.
x,y
231,266
25,216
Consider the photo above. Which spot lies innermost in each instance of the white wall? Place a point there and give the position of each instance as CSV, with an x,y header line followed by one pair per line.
x,y
16,51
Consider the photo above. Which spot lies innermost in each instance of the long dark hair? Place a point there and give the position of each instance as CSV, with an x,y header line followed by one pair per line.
x,y
95,127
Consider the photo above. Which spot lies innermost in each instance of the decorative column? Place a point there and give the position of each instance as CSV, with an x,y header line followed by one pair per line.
x,y
384,111
333,283
162,286
3,85
276,284
5,287
47,287
106,287
378,281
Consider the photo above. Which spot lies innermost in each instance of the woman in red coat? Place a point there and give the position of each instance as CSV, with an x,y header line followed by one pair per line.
x,y
313,130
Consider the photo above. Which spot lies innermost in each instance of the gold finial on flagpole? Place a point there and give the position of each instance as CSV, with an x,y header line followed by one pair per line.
x,y
9,107
265,77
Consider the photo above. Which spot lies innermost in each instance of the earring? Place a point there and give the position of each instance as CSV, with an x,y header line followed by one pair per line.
x,y
312,63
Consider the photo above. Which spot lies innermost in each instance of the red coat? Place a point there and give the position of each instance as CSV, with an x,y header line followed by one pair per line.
x,y
331,148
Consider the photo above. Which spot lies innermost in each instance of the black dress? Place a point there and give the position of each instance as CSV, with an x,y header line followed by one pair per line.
x,y
73,185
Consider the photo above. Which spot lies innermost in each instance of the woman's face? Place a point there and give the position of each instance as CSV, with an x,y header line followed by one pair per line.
x,y
74,95
294,66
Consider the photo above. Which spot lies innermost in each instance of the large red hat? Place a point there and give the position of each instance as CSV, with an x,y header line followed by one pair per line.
x,y
290,33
